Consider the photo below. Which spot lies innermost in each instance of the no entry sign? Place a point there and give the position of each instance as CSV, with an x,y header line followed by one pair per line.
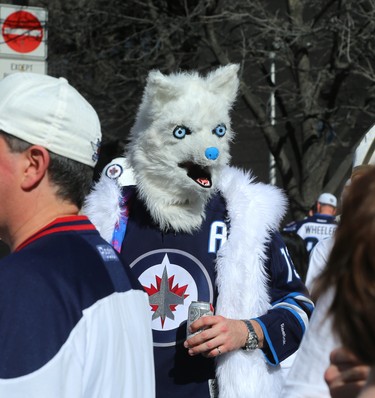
x,y
23,31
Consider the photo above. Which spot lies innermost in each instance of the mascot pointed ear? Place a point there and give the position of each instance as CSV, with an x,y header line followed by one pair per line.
x,y
224,81
160,88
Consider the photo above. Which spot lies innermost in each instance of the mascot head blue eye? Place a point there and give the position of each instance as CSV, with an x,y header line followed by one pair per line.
x,y
220,130
180,131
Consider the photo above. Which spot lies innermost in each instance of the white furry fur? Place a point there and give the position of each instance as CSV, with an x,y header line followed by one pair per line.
x,y
254,210
184,99
102,206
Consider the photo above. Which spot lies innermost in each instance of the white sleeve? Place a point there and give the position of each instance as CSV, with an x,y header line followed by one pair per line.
x,y
318,260
109,354
306,376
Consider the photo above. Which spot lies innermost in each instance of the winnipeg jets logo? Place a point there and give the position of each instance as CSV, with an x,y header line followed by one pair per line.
x,y
114,171
165,297
170,289
172,279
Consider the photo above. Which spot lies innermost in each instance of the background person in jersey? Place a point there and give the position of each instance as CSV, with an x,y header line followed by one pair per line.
x,y
73,321
320,225
193,228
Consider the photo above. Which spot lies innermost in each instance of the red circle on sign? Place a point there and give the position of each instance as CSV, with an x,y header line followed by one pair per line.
x,y
22,32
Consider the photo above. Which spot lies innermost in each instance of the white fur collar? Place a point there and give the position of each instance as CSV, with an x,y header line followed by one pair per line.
x,y
102,206
254,210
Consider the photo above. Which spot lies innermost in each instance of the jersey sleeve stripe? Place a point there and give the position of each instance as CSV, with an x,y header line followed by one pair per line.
x,y
298,313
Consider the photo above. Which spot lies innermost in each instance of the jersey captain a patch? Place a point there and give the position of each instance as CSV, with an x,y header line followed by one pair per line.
x,y
172,279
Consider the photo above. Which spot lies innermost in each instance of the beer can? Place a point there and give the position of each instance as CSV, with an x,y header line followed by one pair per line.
x,y
196,310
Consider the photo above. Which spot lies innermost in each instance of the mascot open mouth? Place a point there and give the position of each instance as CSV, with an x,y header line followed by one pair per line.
x,y
199,174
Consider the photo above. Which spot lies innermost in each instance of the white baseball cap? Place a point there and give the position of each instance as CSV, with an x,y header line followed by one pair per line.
x,y
328,199
48,111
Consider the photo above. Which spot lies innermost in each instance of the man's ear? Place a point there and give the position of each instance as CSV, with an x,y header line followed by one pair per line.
x,y
37,159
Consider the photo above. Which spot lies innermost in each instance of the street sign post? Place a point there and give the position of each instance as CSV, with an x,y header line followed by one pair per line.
x,y
23,39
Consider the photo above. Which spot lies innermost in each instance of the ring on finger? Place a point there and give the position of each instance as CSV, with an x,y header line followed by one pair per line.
x,y
218,350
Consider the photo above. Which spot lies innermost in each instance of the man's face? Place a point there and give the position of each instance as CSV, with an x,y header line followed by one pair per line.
x,y
8,173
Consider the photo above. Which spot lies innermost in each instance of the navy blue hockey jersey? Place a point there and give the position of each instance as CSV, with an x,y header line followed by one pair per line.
x,y
178,268
73,319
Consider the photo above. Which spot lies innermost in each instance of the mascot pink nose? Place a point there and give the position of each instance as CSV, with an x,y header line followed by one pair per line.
x,y
212,153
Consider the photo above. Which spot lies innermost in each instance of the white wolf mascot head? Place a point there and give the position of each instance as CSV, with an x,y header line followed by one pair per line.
x,y
180,143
